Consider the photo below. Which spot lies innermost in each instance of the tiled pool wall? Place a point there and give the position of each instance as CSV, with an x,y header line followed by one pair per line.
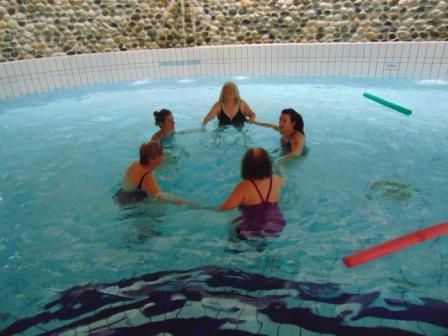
x,y
418,60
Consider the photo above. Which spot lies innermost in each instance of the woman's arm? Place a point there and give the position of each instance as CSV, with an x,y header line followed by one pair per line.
x,y
165,197
151,187
188,131
297,143
247,111
156,136
234,199
274,127
211,114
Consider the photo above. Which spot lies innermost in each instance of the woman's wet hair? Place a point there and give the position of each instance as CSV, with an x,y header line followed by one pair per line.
x,y
296,118
149,151
160,116
235,90
256,164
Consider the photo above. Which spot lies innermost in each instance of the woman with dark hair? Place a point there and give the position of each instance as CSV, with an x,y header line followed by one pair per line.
x,y
290,126
165,120
230,109
139,182
257,196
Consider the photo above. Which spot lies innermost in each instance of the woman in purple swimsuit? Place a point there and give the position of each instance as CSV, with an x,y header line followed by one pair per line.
x,y
257,196
230,109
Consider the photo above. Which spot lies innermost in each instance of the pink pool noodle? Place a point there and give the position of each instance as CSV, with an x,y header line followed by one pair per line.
x,y
394,245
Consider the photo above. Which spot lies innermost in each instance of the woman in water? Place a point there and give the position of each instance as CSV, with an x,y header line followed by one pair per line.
x,y
139,181
290,126
230,109
257,196
165,120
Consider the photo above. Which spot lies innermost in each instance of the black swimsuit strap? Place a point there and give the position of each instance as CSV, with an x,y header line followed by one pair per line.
x,y
141,180
238,111
259,192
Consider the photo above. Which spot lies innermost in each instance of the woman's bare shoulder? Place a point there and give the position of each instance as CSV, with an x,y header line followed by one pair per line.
x,y
244,104
156,136
298,135
278,179
243,182
244,185
133,171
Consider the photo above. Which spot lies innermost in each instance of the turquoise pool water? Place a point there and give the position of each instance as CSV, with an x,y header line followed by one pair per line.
x,y
371,174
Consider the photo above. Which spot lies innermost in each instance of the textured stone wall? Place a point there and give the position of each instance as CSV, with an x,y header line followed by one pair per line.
x,y
33,29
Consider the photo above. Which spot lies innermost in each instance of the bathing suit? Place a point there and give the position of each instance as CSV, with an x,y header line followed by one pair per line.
x,y
286,146
260,220
134,196
238,120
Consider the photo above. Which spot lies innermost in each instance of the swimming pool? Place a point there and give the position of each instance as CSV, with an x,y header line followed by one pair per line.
x,y
371,174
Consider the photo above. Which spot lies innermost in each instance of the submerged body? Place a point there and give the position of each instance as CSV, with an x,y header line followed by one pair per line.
x,y
290,127
257,196
230,109
129,193
139,182
262,219
237,120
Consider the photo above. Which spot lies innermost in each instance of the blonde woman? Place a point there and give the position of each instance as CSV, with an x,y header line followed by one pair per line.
x,y
230,109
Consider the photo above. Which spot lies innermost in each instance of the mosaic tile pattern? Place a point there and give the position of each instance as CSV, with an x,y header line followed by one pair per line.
x,y
219,301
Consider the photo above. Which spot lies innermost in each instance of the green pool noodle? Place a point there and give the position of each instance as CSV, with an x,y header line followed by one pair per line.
x,y
387,103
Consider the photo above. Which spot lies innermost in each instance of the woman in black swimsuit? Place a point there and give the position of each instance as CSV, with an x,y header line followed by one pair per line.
x,y
230,109
290,125
139,182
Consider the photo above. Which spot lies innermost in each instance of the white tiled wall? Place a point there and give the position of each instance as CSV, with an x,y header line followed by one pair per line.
x,y
423,60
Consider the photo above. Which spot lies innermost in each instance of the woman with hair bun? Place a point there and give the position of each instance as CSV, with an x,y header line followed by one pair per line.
x,y
165,120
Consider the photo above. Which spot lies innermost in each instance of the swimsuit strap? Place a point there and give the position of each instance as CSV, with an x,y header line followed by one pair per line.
x,y
141,180
259,192
270,188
